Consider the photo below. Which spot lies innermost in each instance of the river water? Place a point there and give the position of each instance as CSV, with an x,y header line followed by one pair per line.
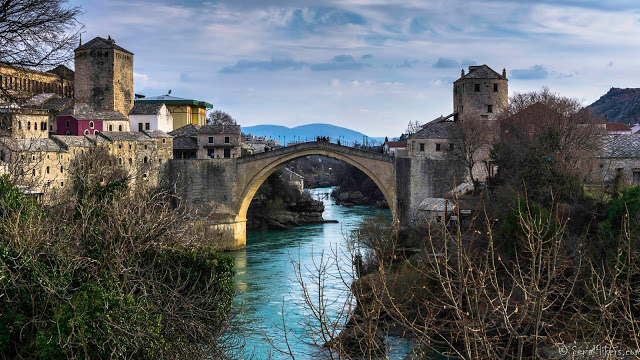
x,y
269,295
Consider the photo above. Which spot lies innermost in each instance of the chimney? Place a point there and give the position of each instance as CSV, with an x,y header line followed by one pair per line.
x,y
504,73
462,73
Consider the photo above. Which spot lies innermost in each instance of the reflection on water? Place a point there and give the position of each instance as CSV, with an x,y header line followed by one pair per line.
x,y
266,287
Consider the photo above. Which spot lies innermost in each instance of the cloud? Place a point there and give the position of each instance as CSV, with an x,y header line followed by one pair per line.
x,y
536,72
366,56
313,19
405,64
340,62
275,64
446,63
419,25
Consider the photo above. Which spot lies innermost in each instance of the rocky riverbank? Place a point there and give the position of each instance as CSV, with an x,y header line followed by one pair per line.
x,y
303,211
355,197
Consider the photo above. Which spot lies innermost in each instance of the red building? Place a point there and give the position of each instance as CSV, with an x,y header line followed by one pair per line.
x,y
83,120
69,125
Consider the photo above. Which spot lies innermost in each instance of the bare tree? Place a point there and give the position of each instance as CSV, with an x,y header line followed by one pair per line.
x,y
219,117
471,143
38,33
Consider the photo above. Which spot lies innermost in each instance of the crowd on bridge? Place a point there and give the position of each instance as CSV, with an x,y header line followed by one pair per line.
x,y
325,139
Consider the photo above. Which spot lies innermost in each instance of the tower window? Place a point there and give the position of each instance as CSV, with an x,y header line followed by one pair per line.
x,y
495,87
476,87
438,147
489,108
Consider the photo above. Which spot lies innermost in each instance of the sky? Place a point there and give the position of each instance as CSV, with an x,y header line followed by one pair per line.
x,y
369,65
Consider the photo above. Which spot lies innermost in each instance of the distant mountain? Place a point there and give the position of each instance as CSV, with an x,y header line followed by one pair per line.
x,y
619,105
308,133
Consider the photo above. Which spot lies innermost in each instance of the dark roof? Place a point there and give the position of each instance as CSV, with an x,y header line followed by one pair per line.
x,y
439,128
63,72
58,104
531,115
621,146
71,140
125,136
616,126
102,43
219,129
142,108
187,130
31,145
173,100
85,112
481,72
185,143
156,134
396,144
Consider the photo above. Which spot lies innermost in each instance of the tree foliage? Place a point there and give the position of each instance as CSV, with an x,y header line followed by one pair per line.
x,y
108,273
219,117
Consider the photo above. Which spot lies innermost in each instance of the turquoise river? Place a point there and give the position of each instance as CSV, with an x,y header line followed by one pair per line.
x,y
268,294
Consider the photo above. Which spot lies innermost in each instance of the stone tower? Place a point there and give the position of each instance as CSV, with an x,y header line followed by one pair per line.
x,y
104,76
482,93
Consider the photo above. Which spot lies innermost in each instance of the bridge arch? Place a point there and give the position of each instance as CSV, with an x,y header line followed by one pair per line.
x,y
254,170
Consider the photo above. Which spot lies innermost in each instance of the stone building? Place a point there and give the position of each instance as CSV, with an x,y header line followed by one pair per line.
x,y
104,76
51,103
618,161
207,142
482,93
24,123
150,116
183,111
17,85
219,141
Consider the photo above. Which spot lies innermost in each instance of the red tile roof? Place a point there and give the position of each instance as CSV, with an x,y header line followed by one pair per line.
x,y
397,144
617,127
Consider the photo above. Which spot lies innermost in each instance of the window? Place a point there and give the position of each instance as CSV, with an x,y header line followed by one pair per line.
x,y
67,132
636,176
145,160
489,108
421,147
495,87
129,146
43,126
145,147
110,127
19,125
86,132
139,126
33,172
61,183
119,161
130,161
227,153
437,147
210,153
51,127
451,147
61,169
476,87
47,169
210,139
68,123
119,127
91,124
147,126
119,146
164,141
227,140
29,125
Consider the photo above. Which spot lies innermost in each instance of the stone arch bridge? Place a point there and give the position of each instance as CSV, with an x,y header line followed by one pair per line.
x,y
222,189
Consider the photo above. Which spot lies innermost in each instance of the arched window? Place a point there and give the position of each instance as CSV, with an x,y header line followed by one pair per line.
x,y
120,161
110,127
86,132
29,125
43,126
130,161
47,169
67,133
61,169
68,123
50,127
119,127
91,124
145,160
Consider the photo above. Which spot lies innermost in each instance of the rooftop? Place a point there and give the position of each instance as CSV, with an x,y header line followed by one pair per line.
x,y
125,136
31,145
440,128
621,146
174,100
481,72
187,130
102,43
397,144
617,126
185,143
85,112
146,108
70,140
219,129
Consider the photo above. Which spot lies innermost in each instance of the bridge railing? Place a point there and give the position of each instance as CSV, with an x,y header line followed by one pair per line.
x,y
320,145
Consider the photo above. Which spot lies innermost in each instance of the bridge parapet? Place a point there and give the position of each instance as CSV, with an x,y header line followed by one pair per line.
x,y
317,145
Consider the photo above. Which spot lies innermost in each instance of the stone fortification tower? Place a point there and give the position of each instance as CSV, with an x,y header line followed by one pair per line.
x,y
482,93
104,76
